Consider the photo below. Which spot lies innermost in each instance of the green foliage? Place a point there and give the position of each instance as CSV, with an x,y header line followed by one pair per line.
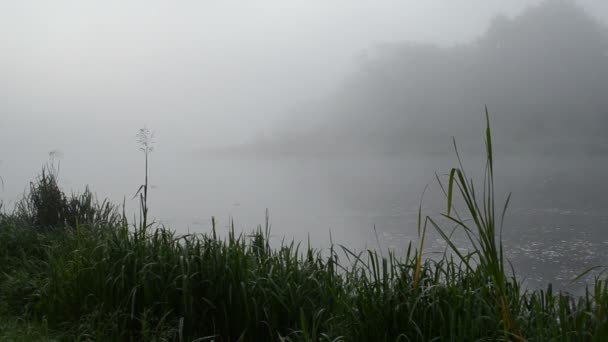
x,y
481,232
22,255
120,284
106,280
19,330
46,206
86,209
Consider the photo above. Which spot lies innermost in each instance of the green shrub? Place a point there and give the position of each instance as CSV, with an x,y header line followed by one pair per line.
x,y
47,206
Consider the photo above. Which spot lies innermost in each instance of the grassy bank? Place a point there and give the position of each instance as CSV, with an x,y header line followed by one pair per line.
x,y
74,269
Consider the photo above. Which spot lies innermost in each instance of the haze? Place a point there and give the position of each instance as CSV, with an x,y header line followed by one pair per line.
x,y
332,114
227,68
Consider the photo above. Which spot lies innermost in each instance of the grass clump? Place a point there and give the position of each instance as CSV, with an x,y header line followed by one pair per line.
x,y
481,231
46,206
104,279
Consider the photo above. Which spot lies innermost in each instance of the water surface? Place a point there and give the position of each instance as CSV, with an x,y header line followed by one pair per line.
x,y
555,228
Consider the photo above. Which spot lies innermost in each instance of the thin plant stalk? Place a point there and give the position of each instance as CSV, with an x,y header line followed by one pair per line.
x,y
145,138
482,232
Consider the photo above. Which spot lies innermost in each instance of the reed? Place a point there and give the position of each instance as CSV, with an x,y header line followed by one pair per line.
x,y
108,279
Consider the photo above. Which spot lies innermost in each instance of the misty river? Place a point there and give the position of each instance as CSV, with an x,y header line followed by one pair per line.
x,y
555,227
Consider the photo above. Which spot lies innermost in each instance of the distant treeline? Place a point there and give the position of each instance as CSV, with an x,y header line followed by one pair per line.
x,y
543,75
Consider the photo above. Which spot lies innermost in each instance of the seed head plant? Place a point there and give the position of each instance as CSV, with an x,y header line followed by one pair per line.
x,y
145,138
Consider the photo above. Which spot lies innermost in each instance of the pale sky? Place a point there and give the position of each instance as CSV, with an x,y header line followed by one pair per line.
x,y
81,75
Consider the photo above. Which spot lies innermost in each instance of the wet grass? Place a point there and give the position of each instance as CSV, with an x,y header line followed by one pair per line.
x,y
94,276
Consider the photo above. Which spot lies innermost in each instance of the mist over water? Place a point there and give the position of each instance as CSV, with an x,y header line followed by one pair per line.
x,y
333,132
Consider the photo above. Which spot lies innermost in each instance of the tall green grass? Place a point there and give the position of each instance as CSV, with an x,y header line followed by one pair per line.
x,y
46,206
481,231
105,279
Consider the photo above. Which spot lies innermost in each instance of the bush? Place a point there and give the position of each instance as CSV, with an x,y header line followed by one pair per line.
x,y
47,206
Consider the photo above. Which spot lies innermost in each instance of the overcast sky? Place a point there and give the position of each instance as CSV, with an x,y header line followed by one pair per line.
x,y
81,75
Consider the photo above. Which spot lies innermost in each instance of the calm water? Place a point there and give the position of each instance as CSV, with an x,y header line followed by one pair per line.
x,y
556,226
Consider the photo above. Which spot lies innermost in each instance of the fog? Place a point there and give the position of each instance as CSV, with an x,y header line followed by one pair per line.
x,y
334,115
543,75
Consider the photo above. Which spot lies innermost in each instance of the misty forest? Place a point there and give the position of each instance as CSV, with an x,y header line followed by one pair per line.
x,y
543,74
354,171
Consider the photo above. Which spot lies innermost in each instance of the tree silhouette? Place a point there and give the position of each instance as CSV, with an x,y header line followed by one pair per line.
x,y
543,74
